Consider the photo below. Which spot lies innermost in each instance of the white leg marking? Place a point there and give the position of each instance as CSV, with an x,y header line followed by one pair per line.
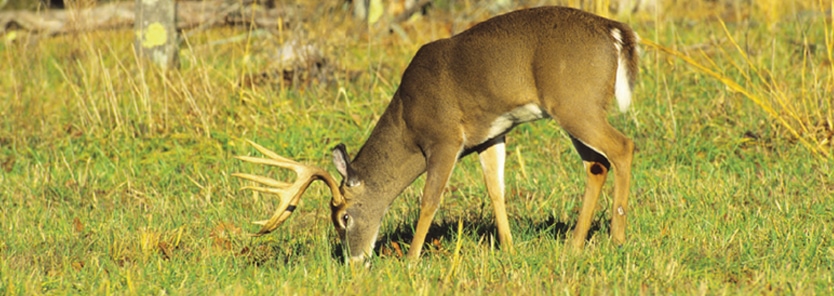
x,y
501,155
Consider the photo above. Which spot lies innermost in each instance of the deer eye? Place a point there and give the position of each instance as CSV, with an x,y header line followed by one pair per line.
x,y
345,220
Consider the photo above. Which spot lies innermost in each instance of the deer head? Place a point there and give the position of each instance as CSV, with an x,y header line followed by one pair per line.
x,y
355,219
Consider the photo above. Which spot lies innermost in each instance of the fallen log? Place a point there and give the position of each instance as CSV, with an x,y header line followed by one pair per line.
x,y
121,15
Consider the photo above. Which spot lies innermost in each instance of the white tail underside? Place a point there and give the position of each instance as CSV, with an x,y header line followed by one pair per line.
x,y
622,88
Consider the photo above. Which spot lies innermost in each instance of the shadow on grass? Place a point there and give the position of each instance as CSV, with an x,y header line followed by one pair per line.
x,y
396,243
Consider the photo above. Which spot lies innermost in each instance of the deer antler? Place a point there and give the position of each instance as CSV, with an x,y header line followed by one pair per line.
x,y
290,193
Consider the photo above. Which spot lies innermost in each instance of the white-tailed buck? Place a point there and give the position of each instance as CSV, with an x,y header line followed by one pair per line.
x,y
462,95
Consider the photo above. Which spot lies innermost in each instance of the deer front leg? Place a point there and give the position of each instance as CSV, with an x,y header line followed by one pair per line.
x,y
492,163
438,171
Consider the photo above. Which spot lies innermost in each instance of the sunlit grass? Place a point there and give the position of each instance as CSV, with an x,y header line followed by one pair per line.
x,y
115,179
805,114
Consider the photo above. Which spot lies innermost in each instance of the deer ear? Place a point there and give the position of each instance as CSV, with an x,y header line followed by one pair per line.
x,y
342,162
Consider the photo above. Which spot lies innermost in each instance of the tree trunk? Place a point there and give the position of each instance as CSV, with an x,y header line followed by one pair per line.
x,y
156,33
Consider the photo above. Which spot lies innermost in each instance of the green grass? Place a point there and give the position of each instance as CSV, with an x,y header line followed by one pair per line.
x,y
117,181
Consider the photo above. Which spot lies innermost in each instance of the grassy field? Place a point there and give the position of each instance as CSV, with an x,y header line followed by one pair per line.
x,y
116,180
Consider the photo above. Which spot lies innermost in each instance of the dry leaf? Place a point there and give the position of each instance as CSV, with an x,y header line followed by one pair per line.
x,y
397,249
436,243
165,249
77,225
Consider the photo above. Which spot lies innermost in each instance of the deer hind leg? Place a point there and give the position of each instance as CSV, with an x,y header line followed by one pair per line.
x,y
600,147
492,163
596,167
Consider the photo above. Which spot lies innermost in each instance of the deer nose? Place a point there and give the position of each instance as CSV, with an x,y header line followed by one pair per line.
x,y
359,260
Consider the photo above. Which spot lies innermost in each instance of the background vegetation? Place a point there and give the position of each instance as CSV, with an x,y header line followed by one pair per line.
x,y
115,179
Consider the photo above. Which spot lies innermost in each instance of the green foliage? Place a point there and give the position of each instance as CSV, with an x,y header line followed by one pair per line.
x,y
116,179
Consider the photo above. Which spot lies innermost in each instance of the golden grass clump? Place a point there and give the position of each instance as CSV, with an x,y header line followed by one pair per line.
x,y
789,79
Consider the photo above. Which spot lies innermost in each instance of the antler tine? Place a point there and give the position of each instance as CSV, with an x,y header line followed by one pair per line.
x,y
290,193
269,153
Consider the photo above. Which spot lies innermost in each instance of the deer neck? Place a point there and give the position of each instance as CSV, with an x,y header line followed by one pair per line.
x,y
389,160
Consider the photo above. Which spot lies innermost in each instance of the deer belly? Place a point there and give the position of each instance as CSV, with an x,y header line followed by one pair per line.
x,y
517,116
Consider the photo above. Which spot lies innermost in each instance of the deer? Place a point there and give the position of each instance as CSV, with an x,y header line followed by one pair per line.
x,y
462,95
